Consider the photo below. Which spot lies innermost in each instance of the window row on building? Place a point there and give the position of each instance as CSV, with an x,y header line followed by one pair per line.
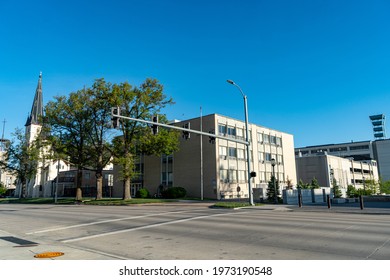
x,y
239,133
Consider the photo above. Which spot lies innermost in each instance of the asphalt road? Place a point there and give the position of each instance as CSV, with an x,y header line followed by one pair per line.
x,y
187,231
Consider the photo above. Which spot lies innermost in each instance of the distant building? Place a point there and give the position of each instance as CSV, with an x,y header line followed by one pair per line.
x,y
67,183
326,167
224,162
378,150
7,178
378,126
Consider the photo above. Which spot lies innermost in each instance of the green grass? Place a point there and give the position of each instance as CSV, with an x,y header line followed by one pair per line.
x,y
118,201
233,204
39,200
115,201
87,201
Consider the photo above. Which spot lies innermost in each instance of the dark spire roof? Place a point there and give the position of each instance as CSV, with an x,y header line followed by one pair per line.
x,y
37,107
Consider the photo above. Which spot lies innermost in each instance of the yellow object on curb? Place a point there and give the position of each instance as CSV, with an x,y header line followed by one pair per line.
x,y
48,255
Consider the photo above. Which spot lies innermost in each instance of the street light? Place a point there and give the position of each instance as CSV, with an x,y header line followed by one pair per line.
x,y
273,163
247,140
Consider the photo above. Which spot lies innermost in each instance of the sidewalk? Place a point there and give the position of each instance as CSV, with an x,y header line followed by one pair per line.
x,y
372,208
21,248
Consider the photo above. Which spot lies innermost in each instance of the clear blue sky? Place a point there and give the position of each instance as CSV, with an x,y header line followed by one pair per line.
x,y
315,69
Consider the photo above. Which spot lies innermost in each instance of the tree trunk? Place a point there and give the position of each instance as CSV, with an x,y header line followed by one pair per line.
x,y
99,185
79,191
99,178
126,189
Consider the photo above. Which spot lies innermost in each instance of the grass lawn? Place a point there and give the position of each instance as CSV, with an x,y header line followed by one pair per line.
x,y
114,201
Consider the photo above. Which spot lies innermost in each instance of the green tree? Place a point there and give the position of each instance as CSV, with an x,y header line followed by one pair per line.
x,y
371,186
336,189
303,185
351,191
21,158
314,184
69,120
272,184
140,103
3,189
99,110
384,186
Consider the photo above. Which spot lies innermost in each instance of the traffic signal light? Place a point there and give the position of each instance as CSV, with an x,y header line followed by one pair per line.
x,y
212,139
186,134
155,126
115,119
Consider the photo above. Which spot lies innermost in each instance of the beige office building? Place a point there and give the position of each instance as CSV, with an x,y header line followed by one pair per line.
x,y
214,169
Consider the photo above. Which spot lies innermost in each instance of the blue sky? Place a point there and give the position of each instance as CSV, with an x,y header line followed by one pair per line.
x,y
315,69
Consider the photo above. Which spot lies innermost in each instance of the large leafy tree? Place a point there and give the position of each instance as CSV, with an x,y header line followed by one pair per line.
x,y
21,158
140,103
79,128
69,121
99,109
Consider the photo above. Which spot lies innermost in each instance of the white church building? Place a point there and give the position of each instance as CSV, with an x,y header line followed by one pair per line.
x,y
44,182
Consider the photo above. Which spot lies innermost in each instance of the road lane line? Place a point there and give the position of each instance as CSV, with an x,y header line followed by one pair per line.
x,y
378,248
105,221
144,227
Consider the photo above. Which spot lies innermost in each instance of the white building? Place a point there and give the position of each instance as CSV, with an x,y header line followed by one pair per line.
x,y
326,167
378,150
41,185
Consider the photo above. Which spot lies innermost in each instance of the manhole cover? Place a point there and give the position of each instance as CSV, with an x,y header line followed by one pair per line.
x,y
48,255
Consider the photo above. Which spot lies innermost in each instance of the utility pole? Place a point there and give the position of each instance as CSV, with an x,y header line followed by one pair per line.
x,y
2,137
201,156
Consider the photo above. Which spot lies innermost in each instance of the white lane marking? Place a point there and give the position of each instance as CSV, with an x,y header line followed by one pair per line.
x,y
378,248
142,227
105,221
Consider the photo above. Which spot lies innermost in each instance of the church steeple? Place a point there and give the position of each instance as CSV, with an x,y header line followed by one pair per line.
x,y
37,107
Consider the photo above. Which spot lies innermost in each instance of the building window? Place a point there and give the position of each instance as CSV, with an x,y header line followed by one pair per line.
x,y
362,147
239,133
166,170
266,138
268,156
280,159
223,175
232,176
241,154
87,175
222,151
340,149
259,137
261,156
222,129
232,152
279,141
241,176
231,131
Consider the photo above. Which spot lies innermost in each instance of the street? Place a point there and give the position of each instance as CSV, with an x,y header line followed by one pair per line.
x,y
186,231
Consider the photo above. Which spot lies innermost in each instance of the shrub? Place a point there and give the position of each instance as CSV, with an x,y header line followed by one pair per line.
x,y
142,193
174,192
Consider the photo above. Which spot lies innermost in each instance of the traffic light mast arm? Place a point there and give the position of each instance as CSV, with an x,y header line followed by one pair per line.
x,y
185,129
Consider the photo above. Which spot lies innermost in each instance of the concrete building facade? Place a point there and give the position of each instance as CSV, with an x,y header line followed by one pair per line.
x,y
378,150
326,167
224,162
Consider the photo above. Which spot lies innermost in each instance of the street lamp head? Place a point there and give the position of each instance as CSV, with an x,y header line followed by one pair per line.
x,y
230,82
273,161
